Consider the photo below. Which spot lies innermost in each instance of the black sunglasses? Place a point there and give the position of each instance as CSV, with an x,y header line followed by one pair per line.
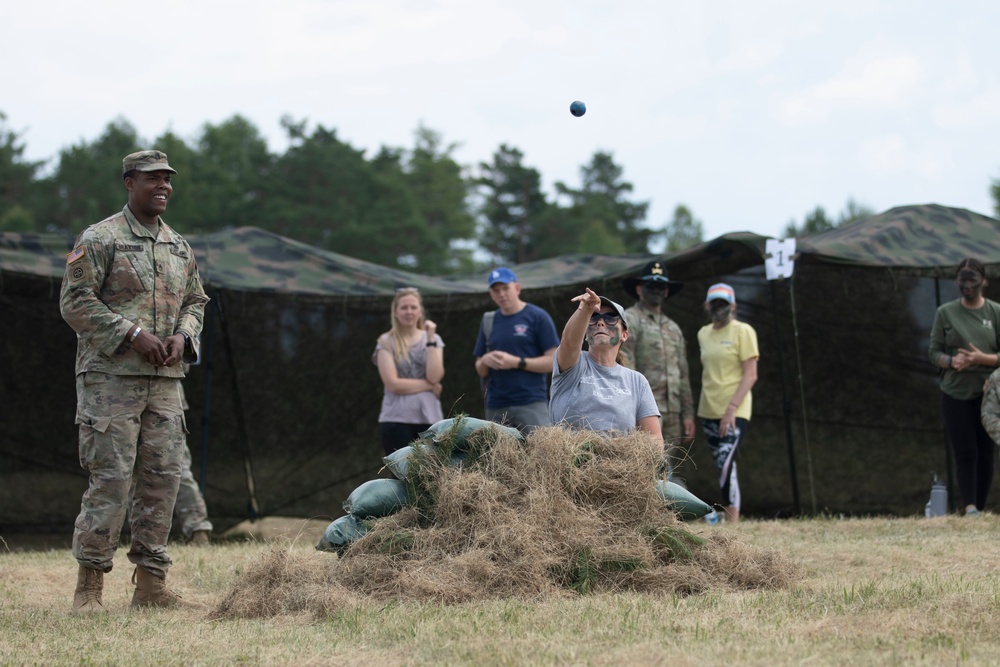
x,y
609,318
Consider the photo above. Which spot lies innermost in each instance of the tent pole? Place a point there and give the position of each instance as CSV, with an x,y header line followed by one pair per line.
x,y
253,504
206,413
786,404
948,467
802,393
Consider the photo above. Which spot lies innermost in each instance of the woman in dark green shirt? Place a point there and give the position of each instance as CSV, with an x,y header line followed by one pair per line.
x,y
965,343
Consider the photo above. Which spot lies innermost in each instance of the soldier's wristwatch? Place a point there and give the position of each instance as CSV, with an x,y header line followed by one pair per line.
x,y
521,364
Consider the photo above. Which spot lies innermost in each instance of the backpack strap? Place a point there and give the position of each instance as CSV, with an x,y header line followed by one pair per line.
x,y
484,382
488,327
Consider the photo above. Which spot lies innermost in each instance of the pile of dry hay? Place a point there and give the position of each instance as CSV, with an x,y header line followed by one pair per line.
x,y
567,513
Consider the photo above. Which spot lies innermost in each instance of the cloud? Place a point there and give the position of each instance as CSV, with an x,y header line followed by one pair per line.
x,y
552,36
884,82
751,57
891,155
978,111
962,73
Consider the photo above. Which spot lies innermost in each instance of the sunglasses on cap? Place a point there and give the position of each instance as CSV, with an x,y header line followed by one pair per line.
x,y
610,319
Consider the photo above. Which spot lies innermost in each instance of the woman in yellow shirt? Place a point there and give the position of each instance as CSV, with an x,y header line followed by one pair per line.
x,y
729,370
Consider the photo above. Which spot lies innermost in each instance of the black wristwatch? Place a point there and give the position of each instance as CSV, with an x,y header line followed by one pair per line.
x,y
432,343
521,364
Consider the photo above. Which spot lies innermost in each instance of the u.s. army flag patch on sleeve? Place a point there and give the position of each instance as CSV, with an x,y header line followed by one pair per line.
x,y
75,255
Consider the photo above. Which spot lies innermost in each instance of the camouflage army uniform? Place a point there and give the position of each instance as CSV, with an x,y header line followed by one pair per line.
x,y
656,348
120,274
991,406
190,510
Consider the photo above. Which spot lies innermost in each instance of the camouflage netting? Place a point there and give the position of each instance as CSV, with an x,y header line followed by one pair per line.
x,y
566,513
284,409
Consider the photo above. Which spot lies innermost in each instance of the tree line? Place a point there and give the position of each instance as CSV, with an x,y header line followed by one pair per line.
x,y
415,208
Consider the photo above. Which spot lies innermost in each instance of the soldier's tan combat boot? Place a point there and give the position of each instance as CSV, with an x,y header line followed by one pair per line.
x,y
89,588
200,538
151,592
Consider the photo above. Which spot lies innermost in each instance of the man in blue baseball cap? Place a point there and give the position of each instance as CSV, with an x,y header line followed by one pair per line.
x,y
514,353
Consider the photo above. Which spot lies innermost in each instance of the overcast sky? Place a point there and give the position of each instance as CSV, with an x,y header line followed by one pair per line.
x,y
751,113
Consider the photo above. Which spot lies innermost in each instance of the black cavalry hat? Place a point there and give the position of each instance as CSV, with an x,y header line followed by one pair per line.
x,y
654,273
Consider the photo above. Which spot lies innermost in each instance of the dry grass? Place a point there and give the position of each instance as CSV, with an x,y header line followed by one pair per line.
x,y
572,512
543,555
871,591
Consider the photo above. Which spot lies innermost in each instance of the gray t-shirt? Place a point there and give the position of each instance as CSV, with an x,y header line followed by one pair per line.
x,y
588,395
420,408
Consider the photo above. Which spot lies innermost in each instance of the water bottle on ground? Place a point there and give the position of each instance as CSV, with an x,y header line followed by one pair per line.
x,y
938,503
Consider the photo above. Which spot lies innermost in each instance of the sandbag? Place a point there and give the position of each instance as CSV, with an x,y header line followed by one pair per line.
x,y
461,429
341,533
687,505
398,462
376,498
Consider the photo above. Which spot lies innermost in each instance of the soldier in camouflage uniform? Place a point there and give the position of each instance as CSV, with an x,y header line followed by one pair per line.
x,y
190,510
133,295
991,406
656,348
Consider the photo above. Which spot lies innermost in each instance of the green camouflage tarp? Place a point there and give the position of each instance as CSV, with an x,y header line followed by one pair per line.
x,y
922,240
41,255
927,239
248,259
284,411
722,256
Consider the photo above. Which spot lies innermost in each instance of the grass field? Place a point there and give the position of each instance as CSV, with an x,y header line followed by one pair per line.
x,y
870,591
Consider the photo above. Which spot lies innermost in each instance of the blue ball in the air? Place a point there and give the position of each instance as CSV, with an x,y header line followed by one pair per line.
x,y
578,108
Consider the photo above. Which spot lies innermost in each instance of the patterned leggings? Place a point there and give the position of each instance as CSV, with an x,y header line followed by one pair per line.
x,y
724,454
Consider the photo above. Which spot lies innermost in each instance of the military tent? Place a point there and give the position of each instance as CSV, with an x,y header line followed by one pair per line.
x,y
844,350
284,408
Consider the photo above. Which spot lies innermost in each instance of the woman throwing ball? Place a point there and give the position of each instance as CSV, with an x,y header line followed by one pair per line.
x,y
592,389
411,364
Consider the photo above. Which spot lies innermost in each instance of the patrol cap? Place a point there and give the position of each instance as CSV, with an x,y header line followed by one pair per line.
x,y
654,273
501,275
146,161
605,301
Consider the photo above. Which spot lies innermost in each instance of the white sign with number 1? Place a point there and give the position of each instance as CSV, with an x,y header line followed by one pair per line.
x,y
778,260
